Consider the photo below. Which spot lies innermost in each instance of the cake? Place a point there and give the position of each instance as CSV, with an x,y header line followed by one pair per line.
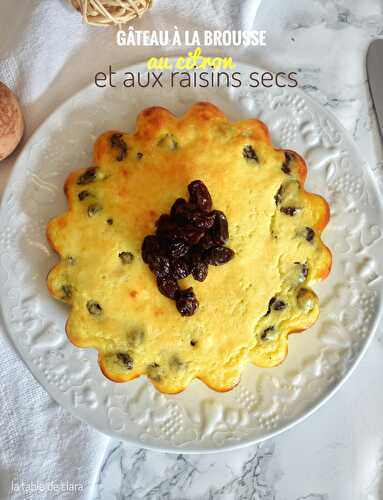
x,y
247,307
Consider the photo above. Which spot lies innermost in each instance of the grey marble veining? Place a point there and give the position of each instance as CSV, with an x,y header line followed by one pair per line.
x,y
336,454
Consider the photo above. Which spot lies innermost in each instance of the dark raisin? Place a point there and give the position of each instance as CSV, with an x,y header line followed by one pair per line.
x,y
178,249
180,268
140,155
94,307
153,372
118,142
207,242
93,209
303,271
90,175
150,248
286,164
217,256
275,305
200,271
67,291
126,257
289,210
266,332
191,234
178,207
189,213
278,196
220,230
168,286
271,302
163,222
193,342
109,222
200,196
160,265
249,153
83,194
70,260
186,302
125,359
310,233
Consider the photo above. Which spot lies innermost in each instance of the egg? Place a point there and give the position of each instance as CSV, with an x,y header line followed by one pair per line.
x,y
11,122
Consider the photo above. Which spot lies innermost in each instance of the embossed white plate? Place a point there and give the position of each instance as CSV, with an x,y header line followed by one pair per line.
x,y
266,401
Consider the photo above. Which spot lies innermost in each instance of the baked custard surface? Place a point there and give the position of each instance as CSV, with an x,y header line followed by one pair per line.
x,y
247,308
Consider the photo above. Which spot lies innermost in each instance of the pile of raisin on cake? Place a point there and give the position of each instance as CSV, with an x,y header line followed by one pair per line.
x,y
186,241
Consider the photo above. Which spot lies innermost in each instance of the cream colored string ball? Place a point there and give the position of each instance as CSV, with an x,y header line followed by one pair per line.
x,y
110,12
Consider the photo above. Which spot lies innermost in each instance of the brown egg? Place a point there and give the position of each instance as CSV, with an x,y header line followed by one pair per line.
x,y
11,122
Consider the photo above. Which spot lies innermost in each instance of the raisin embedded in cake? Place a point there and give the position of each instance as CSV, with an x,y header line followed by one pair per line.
x,y
192,311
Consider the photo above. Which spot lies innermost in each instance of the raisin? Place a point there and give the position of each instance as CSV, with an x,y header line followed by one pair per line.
x,y
168,286
180,268
70,260
189,213
125,359
310,233
152,372
202,220
303,271
249,153
275,305
278,196
90,175
118,142
160,265
94,307
289,210
193,342
83,194
109,221
126,257
177,207
186,302
140,155
286,164
266,332
206,242
93,209
178,249
191,234
220,230
200,271
200,196
67,291
163,222
217,256
150,248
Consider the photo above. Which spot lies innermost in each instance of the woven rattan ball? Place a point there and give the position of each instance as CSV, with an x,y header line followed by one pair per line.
x,y
110,12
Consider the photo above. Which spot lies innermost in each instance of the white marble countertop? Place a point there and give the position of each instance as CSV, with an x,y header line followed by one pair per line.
x,y
336,454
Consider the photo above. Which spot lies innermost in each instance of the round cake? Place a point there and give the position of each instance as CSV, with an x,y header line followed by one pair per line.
x,y
246,307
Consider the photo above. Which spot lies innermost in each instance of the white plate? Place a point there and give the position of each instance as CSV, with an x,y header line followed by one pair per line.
x,y
266,401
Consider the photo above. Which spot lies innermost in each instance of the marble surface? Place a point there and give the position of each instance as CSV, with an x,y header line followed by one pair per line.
x,y
336,454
